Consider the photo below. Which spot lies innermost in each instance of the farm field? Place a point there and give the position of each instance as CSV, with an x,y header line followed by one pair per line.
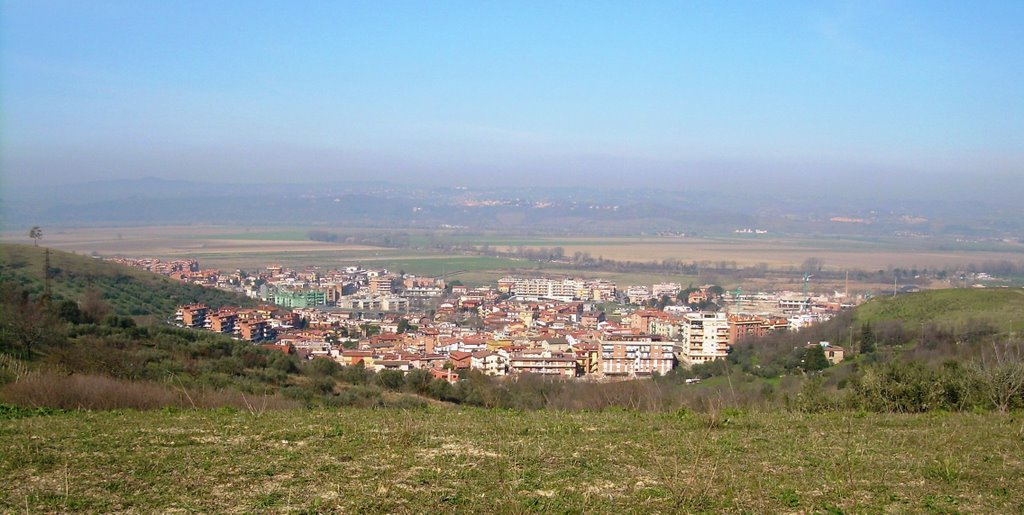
x,y
784,252
452,459
251,247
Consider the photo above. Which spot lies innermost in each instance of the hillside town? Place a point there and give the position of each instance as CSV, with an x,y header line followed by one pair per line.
x,y
557,327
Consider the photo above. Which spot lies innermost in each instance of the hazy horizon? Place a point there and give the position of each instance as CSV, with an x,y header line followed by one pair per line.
x,y
838,97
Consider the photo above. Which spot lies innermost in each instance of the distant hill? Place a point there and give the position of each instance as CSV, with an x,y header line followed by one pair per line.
x,y
598,207
129,291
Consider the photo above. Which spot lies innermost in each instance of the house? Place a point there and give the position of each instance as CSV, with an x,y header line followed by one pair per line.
x,y
460,359
591,319
400,365
445,374
354,357
489,363
833,353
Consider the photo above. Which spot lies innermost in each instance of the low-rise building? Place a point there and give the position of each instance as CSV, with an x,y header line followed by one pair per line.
x,y
543,363
489,363
222,322
192,315
254,330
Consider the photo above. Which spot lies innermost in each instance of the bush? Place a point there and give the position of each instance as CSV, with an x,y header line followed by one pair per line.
x,y
390,379
354,374
322,367
80,391
419,382
912,387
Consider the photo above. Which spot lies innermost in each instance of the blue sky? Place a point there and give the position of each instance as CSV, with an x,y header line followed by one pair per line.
x,y
466,91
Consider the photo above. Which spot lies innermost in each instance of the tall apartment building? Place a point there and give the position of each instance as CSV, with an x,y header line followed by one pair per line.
x,y
381,284
705,337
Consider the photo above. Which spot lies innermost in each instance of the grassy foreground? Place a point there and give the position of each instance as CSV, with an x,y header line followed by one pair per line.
x,y
446,459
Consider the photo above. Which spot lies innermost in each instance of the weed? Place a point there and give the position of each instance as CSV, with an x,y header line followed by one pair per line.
x,y
789,498
947,469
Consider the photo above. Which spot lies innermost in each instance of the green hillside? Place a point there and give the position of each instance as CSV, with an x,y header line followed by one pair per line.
x,y
129,291
1002,306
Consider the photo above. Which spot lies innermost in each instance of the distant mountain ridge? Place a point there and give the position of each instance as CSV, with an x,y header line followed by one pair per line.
x,y
698,207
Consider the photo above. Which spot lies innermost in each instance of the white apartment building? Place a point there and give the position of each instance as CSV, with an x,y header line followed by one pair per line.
x,y
564,290
705,337
661,289
638,294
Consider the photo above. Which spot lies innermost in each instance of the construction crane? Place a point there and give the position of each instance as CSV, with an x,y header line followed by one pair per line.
x,y
807,298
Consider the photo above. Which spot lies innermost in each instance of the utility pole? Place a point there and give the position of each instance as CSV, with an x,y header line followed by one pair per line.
x,y
46,273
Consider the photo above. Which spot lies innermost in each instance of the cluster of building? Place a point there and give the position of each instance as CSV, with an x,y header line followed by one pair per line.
x,y
550,327
179,268
260,324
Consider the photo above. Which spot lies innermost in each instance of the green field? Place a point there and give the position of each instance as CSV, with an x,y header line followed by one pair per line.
x,y
446,459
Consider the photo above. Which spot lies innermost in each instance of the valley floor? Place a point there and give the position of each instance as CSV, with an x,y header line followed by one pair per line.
x,y
450,459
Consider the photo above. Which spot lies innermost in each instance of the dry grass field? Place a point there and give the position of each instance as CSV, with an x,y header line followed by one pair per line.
x,y
785,252
494,461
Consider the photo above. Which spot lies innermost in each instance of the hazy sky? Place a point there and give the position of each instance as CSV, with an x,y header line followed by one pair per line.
x,y
464,91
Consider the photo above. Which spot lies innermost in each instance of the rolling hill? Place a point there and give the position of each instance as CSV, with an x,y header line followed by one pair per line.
x,y
1002,306
129,291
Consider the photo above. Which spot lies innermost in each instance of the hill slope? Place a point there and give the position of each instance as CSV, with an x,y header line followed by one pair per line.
x,y
128,290
948,307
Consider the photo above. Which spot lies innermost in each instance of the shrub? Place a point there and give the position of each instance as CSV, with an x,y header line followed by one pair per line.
x,y
81,391
390,379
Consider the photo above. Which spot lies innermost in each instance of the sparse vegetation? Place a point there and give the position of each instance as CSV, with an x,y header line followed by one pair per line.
x,y
473,460
127,291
